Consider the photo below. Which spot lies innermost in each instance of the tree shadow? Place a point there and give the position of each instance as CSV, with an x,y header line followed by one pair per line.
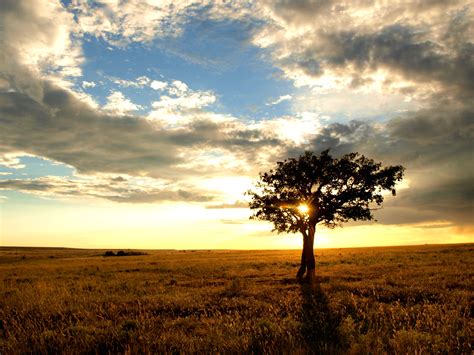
x,y
320,325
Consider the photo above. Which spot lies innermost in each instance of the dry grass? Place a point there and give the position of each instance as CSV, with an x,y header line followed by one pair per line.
x,y
374,300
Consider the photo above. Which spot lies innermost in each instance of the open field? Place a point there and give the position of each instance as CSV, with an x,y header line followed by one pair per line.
x,y
397,299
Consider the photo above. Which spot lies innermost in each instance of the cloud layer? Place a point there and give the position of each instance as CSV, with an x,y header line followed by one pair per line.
x,y
117,189
435,145
420,53
65,129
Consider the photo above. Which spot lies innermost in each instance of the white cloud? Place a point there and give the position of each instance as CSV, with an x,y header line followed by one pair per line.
x,y
139,82
194,100
182,106
122,22
119,104
174,106
143,80
158,85
88,84
217,160
131,21
86,98
337,104
280,99
178,88
11,160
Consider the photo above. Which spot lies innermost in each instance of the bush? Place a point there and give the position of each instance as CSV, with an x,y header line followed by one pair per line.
x,y
124,253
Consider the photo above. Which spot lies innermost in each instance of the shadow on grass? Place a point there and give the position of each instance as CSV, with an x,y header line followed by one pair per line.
x,y
320,325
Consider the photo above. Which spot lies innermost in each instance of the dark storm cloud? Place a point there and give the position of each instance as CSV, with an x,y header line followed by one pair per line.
x,y
404,50
436,147
439,124
70,132
228,135
424,42
341,137
422,48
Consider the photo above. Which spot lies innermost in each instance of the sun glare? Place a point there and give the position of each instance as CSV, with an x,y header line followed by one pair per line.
x,y
303,208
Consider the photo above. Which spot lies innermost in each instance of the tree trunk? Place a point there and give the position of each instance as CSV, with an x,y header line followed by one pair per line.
x,y
308,263
309,256
302,269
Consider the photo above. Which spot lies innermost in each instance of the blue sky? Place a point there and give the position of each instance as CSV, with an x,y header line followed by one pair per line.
x,y
178,106
209,55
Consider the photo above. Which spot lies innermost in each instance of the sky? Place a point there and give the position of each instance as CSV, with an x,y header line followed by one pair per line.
x,y
141,124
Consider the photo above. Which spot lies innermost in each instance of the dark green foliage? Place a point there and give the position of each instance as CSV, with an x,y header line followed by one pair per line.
x,y
335,190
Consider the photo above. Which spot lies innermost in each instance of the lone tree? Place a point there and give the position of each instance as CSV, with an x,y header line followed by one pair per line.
x,y
300,193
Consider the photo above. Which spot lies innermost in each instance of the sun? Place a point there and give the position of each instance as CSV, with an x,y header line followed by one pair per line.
x,y
303,208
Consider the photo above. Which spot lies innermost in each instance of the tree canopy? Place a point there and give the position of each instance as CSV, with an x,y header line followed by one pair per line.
x,y
334,190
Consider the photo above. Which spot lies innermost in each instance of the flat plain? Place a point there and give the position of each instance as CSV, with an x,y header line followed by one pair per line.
x,y
368,300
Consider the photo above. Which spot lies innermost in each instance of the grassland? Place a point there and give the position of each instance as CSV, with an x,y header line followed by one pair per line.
x,y
371,300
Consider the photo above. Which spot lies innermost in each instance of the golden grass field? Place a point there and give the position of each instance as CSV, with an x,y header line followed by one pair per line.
x,y
369,300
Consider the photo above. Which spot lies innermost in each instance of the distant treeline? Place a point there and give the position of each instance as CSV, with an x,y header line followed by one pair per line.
x,y
124,253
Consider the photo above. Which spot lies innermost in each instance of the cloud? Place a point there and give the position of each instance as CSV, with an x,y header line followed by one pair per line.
x,y
183,104
293,130
435,146
131,21
186,102
11,160
121,23
115,189
178,88
41,37
343,57
61,127
313,42
117,103
234,221
158,85
280,99
88,84
401,49
190,101
236,204
417,60
139,82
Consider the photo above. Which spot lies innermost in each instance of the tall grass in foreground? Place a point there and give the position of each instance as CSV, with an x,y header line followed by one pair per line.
x,y
375,300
